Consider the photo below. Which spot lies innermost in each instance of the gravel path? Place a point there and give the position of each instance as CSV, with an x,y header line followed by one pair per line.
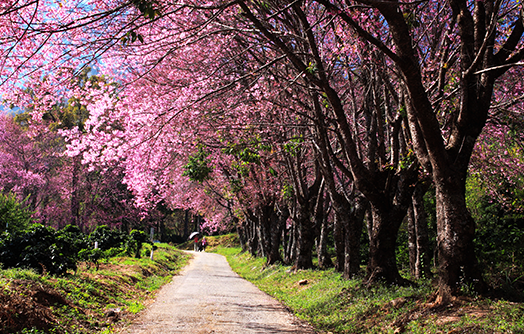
x,y
208,297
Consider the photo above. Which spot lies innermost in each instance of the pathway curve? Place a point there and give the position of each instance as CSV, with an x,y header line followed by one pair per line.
x,y
208,297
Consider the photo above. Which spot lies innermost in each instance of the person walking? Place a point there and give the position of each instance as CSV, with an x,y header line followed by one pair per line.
x,y
204,243
196,246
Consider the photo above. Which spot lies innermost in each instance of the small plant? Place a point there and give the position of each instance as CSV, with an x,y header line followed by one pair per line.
x,y
32,331
135,307
136,240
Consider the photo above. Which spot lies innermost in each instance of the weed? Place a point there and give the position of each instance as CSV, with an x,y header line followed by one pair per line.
x,y
135,307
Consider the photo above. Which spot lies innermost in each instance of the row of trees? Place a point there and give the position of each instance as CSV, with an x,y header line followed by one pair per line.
x,y
55,186
39,175
285,115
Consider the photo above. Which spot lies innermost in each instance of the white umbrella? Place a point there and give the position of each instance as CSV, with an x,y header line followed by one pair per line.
x,y
194,234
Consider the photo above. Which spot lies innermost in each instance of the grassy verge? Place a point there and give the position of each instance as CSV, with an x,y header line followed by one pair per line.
x,y
88,301
332,304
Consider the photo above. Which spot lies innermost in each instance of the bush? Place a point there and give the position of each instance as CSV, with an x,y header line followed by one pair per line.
x,y
39,248
108,238
45,249
136,239
14,217
500,236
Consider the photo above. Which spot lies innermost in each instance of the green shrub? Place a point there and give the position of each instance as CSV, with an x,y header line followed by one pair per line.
x,y
14,217
500,236
136,240
39,248
46,250
108,238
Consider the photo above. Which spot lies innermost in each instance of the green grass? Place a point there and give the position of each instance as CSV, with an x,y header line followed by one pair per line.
x,y
333,304
135,307
120,283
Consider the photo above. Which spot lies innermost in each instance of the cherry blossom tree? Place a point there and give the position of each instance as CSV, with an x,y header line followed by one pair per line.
x,y
451,62
30,163
184,74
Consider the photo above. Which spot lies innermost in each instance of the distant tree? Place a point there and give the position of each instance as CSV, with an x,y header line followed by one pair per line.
x,y
14,216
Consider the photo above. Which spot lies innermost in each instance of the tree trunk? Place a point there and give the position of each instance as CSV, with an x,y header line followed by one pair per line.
x,y
162,228
305,240
186,224
458,267
278,221
251,233
75,195
324,260
321,231
263,228
291,252
241,231
353,233
382,263
412,241
339,237
269,231
423,257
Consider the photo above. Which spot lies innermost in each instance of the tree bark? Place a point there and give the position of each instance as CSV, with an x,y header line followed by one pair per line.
x,y
353,233
421,265
251,234
305,240
241,231
276,222
412,241
339,239
263,228
291,249
458,267
75,194
382,263
324,260
186,224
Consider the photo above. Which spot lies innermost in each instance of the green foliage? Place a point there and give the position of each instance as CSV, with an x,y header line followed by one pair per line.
x,y
131,37
198,168
148,8
68,117
287,191
407,160
14,217
72,114
45,249
411,20
137,238
91,256
40,248
311,68
134,307
499,237
72,239
294,145
32,331
108,238
246,153
236,185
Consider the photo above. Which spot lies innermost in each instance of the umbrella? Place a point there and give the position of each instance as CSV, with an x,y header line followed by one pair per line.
x,y
194,234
